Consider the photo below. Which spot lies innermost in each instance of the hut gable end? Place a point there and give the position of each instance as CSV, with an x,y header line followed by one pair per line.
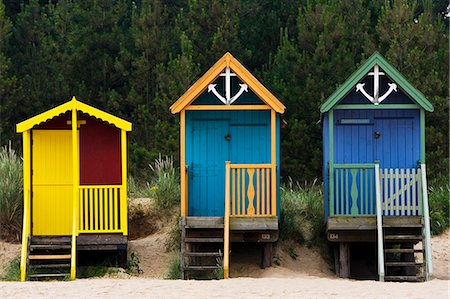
x,y
376,74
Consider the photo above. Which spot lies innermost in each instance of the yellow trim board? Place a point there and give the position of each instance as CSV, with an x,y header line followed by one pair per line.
x,y
71,105
211,75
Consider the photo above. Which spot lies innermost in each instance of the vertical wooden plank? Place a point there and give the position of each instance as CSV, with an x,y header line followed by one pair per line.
x,y
184,203
330,190
123,189
386,191
233,191
238,191
419,192
402,192
86,209
116,208
268,195
91,210
274,163
75,177
96,211
251,192
244,195
396,198
226,233
263,189
111,208
345,204
81,215
344,260
413,193
258,185
364,199
408,192
26,227
391,192
359,190
101,218
340,180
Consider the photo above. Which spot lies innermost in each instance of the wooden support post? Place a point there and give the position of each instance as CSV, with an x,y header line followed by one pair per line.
x,y
336,259
183,245
344,260
266,258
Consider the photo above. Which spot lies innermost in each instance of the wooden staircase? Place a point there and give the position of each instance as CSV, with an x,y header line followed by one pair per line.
x,y
403,260
49,257
201,245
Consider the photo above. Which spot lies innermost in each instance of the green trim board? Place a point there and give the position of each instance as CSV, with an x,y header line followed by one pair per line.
x,y
422,136
371,106
361,72
331,160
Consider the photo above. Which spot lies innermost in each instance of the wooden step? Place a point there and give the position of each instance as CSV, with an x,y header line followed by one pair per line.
x,y
403,238
204,222
50,240
203,240
50,257
405,278
200,268
402,264
203,254
54,275
50,246
402,250
47,266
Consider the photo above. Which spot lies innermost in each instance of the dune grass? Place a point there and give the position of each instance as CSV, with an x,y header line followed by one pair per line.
x,y
302,212
11,190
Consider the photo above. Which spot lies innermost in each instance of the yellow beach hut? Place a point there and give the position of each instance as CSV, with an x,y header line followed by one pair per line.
x,y
75,170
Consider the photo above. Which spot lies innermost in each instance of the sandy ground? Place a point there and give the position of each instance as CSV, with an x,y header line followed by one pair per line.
x,y
307,276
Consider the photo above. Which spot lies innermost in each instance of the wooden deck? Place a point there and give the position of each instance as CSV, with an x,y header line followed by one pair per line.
x,y
242,229
364,228
102,242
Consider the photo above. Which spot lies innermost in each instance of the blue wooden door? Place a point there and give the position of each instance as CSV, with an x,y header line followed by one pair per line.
x,y
209,151
397,143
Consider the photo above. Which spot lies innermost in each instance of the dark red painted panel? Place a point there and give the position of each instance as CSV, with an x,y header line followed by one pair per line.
x,y
100,154
58,122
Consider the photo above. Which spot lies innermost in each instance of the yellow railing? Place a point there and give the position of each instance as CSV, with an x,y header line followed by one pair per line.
x,y
102,209
252,190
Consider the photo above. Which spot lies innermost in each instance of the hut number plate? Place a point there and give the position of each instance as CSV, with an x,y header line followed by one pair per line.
x,y
265,236
333,236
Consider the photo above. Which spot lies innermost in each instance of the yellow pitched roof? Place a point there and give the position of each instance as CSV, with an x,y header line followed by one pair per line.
x,y
211,75
77,105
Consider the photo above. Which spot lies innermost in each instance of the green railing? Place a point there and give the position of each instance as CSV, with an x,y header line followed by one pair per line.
x,y
353,190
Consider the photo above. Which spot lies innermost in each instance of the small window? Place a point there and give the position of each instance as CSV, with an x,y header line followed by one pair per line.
x,y
355,121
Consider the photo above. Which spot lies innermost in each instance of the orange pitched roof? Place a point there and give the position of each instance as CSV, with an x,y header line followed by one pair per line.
x,y
211,75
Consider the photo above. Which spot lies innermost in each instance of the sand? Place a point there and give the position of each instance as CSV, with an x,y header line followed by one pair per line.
x,y
301,287
307,276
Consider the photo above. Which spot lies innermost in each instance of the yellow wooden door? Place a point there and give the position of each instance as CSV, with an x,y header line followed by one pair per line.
x,y
52,182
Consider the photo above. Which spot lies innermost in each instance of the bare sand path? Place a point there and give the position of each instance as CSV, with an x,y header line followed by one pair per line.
x,y
302,287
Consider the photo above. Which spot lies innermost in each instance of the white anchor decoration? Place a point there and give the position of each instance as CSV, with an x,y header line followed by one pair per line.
x,y
376,99
228,99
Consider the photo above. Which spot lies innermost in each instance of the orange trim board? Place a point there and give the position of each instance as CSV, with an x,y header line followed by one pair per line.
x,y
211,75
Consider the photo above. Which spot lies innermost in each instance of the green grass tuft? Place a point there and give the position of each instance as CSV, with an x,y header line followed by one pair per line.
x,y
11,193
12,272
439,202
301,213
174,269
165,184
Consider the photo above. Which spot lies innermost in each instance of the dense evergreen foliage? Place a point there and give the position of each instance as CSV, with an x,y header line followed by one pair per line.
x,y
135,58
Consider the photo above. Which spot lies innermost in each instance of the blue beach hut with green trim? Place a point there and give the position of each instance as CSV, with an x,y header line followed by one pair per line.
x,y
374,168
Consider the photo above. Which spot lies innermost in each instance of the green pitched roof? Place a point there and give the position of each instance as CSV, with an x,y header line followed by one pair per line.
x,y
392,72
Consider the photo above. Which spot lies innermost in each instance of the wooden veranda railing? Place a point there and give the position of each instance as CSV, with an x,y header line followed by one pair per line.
x,y
101,209
353,191
367,190
250,191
